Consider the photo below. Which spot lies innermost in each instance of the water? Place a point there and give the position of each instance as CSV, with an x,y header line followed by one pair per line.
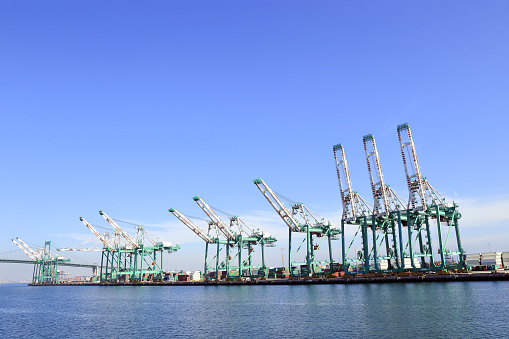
x,y
452,310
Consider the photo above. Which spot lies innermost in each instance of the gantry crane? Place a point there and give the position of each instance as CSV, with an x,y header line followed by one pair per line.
x,y
45,263
229,235
301,220
113,268
241,240
387,207
250,239
390,211
208,238
356,210
125,258
426,203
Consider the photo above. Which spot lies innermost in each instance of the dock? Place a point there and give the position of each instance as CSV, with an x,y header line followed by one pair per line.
x,y
348,279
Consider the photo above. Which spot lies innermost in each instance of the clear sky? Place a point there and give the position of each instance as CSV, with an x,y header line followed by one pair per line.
x,y
134,108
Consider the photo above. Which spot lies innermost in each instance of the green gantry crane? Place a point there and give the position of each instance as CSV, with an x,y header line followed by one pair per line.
x,y
377,229
387,207
45,263
356,211
389,214
302,220
237,235
425,203
209,240
128,259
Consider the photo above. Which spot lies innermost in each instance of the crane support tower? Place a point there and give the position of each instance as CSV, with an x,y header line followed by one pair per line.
x,y
300,219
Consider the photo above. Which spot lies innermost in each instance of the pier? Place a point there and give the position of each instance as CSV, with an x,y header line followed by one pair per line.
x,y
348,279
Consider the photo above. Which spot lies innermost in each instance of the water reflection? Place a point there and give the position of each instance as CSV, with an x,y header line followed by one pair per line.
x,y
460,309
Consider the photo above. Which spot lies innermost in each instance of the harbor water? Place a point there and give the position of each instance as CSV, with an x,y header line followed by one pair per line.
x,y
439,310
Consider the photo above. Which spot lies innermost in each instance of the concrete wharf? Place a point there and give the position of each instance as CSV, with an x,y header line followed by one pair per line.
x,y
349,279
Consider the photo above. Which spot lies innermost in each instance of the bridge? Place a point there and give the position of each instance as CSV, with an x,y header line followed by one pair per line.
x,y
44,262
69,264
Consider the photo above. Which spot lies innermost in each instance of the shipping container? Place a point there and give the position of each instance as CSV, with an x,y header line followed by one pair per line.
x,y
473,259
408,263
491,258
183,277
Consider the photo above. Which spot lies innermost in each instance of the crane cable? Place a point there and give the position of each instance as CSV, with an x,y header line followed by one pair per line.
x,y
293,202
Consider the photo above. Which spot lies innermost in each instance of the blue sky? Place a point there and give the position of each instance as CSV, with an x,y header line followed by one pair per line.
x,y
135,108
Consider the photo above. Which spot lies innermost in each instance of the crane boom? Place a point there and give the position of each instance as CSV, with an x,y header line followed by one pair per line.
x,y
24,250
413,174
191,225
384,198
353,205
277,204
34,253
70,249
97,234
225,229
380,199
123,233
419,189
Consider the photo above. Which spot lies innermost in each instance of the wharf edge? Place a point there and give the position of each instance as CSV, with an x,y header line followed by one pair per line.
x,y
311,281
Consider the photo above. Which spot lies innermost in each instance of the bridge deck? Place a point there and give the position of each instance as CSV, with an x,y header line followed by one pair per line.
x,y
17,261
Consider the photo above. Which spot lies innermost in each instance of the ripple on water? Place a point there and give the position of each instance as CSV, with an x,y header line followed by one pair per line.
x,y
460,309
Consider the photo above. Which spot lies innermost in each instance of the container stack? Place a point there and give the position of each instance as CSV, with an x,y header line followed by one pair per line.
x,y
194,275
408,263
493,260
473,259
169,276
384,264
